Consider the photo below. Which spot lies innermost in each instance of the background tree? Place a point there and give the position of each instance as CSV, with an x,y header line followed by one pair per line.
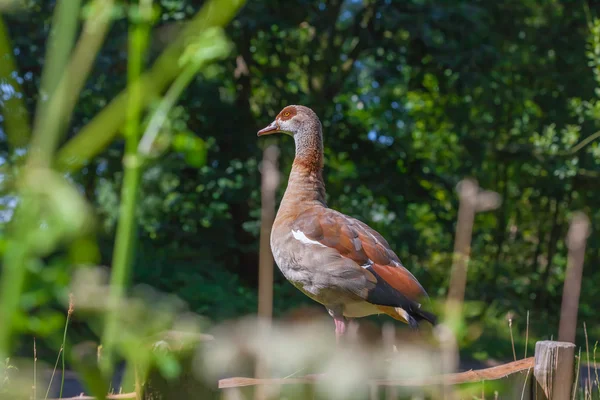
x,y
413,96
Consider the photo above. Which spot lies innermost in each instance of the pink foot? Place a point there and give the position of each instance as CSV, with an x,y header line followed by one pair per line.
x,y
340,327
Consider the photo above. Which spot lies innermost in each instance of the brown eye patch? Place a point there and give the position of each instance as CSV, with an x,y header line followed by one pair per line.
x,y
287,113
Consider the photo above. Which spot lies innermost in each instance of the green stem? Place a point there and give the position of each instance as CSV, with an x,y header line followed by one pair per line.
x,y
126,228
138,369
64,342
53,373
160,115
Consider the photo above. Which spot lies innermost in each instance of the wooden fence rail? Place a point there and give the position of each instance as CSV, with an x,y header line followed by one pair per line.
x,y
551,369
487,374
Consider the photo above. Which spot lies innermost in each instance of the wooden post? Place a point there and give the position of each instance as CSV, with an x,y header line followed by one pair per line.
x,y
467,208
553,370
576,241
270,181
467,192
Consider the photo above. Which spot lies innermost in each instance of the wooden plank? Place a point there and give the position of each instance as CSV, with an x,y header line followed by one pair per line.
x,y
553,369
492,373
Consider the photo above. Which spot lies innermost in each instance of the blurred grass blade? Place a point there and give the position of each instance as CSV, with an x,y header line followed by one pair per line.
x,y
62,36
59,109
97,134
85,52
15,114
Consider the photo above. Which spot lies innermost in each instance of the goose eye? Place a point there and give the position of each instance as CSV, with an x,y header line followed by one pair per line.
x,y
286,114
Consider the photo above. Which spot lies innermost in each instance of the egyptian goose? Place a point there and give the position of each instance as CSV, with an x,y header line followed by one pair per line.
x,y
334,259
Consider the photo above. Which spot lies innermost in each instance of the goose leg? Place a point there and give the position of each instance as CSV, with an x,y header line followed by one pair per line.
x,y
341,323
341,326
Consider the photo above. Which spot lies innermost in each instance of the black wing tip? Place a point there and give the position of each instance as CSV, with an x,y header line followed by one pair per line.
x,y
415,318
421,315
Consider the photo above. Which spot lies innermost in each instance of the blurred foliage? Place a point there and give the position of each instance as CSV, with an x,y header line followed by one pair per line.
x,y
413,96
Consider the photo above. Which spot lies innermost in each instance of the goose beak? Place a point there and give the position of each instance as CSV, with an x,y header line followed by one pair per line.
x,y
273,127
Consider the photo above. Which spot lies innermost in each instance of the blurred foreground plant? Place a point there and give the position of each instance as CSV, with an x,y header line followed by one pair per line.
x,y
50,213
306,349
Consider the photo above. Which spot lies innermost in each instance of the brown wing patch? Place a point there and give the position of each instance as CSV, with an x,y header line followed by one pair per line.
x,y
348,245
332,230
356,241
383,246
374,250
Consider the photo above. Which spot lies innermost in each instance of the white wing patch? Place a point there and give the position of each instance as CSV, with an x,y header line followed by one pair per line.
x,y
300,236
368,264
